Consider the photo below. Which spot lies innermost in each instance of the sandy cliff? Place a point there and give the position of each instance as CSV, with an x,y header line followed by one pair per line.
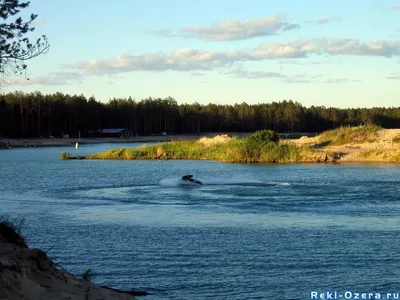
x,y
30,274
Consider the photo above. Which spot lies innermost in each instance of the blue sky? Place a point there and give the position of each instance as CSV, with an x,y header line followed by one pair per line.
x,y
333,53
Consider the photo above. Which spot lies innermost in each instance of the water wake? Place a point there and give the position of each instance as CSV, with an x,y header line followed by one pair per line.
x,y
174,182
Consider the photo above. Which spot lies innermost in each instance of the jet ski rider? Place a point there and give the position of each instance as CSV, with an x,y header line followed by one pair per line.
x,y
187,177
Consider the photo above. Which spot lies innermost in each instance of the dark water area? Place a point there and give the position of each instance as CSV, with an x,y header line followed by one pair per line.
x,y
249,232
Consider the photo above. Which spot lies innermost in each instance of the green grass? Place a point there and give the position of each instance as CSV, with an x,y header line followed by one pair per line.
x,y
390,156
259,148
347,135
64,155
235,150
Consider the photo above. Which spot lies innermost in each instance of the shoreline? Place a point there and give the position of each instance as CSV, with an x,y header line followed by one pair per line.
x,y
59,142
382,150
345,146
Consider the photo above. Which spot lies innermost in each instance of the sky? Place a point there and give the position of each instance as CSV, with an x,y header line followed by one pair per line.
x,y
334,53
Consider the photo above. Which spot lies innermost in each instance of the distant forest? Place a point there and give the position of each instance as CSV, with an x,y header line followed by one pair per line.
x,y
37,115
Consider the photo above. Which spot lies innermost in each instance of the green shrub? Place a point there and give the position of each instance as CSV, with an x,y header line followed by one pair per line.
x,y
257,143
64,155
262,137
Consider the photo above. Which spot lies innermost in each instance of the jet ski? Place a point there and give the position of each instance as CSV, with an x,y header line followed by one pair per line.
x,y
189,180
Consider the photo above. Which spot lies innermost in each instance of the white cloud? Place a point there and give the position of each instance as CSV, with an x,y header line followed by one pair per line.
x,y
53,78
240,73
340,80
191,59
323,21
356,47
197,74
180,60
297,78
395,7
303,78
298,49
233,30
38,23
296,62
394,76
161,32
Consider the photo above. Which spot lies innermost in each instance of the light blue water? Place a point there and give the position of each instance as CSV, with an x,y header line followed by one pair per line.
x,y
250,232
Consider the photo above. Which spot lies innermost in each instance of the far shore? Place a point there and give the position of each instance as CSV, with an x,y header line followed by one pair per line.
x,y
60,142
347,144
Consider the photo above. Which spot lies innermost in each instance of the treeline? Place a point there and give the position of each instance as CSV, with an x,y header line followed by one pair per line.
x,y
37,115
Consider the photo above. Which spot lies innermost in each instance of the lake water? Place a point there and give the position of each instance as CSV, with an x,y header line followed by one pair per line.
x,y
250,232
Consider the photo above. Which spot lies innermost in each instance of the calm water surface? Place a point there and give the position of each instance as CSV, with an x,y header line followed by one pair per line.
x,y
250,232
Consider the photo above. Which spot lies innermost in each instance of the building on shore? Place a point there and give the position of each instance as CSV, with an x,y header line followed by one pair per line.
x,y
110,132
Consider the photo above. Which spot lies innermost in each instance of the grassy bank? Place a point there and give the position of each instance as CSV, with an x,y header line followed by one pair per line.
x,y
263,147
349,135
364,143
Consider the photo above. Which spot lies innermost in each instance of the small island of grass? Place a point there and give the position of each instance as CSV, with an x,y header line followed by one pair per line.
x,y
364,143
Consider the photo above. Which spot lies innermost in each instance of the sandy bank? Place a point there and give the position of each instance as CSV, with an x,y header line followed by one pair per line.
x,y
381,149
30,274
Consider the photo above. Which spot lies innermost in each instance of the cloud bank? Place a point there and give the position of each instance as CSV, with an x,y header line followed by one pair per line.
x,y
233,30
191,59
298,78
53,78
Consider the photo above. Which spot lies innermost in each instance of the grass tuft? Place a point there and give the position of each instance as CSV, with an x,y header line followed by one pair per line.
x,y
396,139
347,135
88,275
10,231
390,156
64,155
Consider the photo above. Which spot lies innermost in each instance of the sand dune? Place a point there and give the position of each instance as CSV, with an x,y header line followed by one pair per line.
x,y
382,149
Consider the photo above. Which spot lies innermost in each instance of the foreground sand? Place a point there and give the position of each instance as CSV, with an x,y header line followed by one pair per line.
x,y
29,274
